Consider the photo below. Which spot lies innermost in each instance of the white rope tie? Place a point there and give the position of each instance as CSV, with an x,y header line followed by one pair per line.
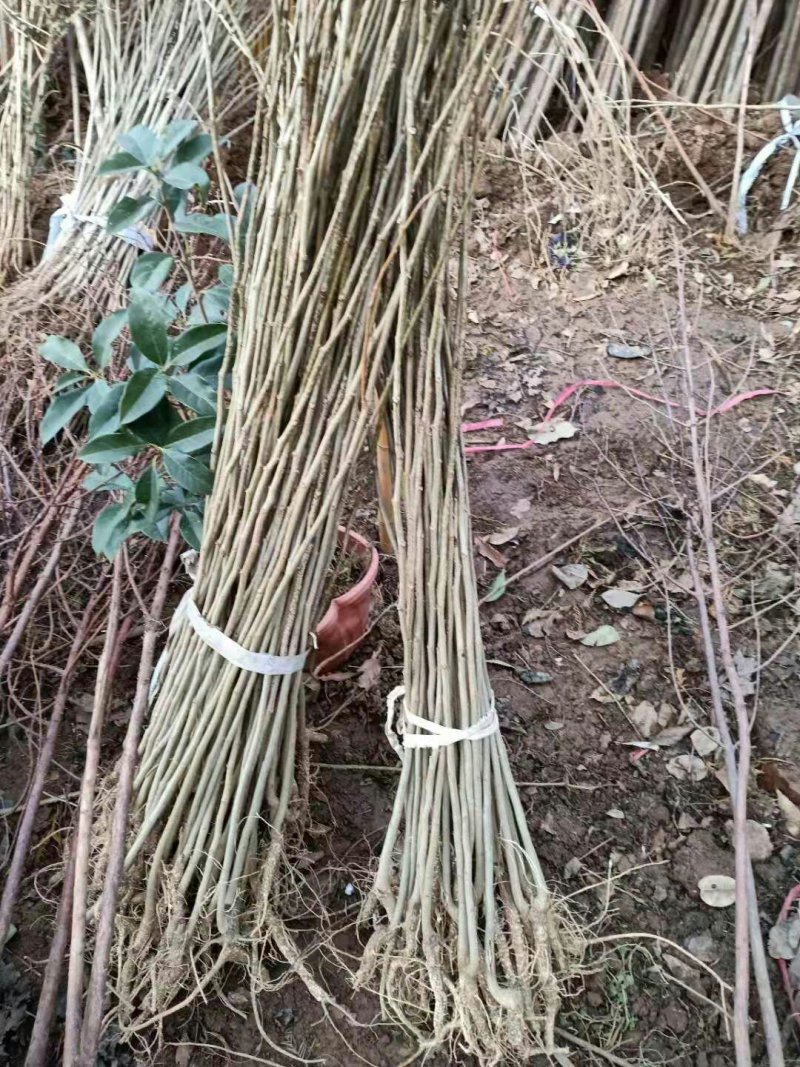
x,y
66,219
437,735
255,662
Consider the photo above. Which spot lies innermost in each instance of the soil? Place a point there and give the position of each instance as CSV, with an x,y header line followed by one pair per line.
x,y
621,838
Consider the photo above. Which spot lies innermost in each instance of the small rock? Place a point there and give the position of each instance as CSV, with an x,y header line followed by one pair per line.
x,y
758,841
674,1018
594,998
703,946
660,893
621,351
679,968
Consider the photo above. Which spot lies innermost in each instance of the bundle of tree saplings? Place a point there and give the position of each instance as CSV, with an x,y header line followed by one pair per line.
x,y
29,33
468,944
718,56
344,130
132,57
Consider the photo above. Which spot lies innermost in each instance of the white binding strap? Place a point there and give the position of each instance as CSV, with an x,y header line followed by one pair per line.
x,y
437,735
255,662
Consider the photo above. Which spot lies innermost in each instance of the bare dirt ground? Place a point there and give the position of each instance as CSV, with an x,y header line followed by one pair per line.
x,y
627,804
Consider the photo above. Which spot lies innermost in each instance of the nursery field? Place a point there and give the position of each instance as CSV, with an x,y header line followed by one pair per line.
x,y
400,607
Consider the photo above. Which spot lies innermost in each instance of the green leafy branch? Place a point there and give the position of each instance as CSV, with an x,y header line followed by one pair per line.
x,y
151,392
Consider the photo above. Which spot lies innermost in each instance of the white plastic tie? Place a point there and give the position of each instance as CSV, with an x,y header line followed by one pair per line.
x,y
436,735
238,655
66,219
254,662
789,112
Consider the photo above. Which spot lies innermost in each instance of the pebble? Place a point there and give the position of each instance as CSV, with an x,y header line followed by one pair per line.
x,y
674,1018
703,946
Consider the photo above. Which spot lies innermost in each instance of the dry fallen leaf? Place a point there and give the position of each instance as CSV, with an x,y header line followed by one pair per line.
x,y
784,939
645,718
705,741
603,635
644,610
369,672
687,767
717,890
502,536
572,575
620,599
602,695
763,480
615,813
668,714
790,813
557,430
539,622
490,552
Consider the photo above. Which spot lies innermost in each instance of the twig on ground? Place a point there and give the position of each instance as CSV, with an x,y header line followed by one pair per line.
x,y
553,553
748,932
72,1027
93,1013
34,799
41,587
37,1049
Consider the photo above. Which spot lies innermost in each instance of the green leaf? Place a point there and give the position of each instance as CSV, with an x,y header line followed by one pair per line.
x,y
194,393
64,381
191,527
127,212
148,326
63,353
61,410
196,341
111,447
106,477
97,392
208,369
186,176
155,427
143,390
142,143
225,275
151,270
181,296
215,303
146,494
174,200
195,150
120,163
194,435
188,472
110,528
106,334
106,419
177,133
497,588
213,225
